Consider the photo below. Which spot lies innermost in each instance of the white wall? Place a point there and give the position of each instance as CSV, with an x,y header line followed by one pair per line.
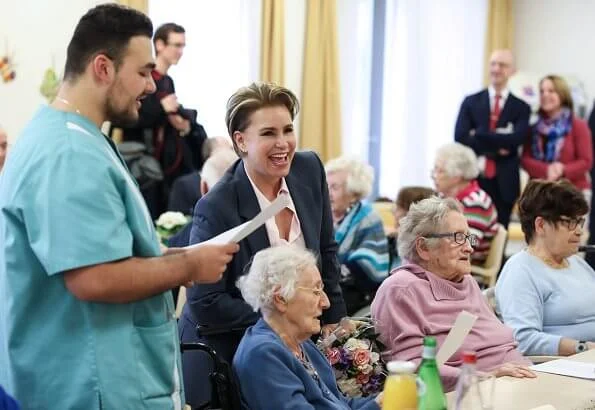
x,y
554,36
37,33
222,53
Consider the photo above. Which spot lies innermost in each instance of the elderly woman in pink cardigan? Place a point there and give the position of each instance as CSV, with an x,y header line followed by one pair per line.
x,y
423,297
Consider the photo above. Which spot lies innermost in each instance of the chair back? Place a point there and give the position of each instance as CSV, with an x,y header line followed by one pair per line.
x,y
494,259
385,211
489,271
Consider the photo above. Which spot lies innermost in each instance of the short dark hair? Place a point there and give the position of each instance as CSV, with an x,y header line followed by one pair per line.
x,y
411,194
104,29
550,200
162,32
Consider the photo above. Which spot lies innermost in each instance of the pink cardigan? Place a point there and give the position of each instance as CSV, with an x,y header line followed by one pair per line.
x,y
413,303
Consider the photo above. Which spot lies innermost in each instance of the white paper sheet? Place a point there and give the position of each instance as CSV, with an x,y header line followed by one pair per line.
x,y
544,407
456,336
565,367
236,234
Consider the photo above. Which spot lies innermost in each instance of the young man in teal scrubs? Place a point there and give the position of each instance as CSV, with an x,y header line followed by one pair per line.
x,y
86,318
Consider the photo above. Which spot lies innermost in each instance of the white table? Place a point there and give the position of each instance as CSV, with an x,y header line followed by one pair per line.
x,y
562,392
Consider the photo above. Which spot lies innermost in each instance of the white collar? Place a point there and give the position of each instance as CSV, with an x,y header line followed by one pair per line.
x,y
503,94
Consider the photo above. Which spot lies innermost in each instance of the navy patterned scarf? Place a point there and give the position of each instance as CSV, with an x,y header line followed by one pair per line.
x,y
548,136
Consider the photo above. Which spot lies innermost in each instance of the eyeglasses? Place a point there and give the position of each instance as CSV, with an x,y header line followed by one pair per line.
x,y
318,292
458,237
573,223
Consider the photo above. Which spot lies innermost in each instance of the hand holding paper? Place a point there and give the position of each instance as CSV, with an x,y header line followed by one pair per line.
x,y
236,234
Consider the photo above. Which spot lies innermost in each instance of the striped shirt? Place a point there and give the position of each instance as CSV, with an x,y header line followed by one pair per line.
x,y
482,218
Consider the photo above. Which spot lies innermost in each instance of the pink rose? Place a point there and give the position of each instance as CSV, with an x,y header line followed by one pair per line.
x,y
333,355
362,378
361,357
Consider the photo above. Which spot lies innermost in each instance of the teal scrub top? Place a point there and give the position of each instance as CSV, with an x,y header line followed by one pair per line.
x,y
67,200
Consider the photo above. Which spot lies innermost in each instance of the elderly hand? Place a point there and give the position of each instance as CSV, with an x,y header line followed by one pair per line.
x,y
514,370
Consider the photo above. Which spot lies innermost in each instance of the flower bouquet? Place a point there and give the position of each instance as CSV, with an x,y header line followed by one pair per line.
x,y
353,350
170,223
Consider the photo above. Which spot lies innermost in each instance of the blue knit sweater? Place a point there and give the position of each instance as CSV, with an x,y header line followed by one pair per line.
x,y
271,377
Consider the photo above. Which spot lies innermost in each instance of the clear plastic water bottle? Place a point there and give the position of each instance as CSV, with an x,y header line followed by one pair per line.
x,y
467,389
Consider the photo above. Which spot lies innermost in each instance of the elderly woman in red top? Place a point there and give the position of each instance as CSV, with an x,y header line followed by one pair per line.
x,y
455,176
560,143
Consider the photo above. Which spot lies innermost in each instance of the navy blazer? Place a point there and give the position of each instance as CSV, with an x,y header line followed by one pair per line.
x,y
475,115
271,377
231,202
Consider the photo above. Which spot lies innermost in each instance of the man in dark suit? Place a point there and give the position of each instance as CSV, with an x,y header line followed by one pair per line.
x,y
495,123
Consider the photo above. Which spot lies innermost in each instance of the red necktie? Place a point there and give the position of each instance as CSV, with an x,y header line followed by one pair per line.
x,y
490,171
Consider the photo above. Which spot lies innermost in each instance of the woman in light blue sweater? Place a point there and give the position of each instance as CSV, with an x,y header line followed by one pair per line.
x,y
545,292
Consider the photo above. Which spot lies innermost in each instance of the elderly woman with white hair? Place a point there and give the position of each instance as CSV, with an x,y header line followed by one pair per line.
x,y
455,176
277,365
363,246
425,296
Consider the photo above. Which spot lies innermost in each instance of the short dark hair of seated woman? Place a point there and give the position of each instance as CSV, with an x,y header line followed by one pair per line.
x,y
424,297
276,364
545,292
363,246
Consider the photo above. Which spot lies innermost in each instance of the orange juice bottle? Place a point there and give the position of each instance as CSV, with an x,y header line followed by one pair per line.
x,y
400,390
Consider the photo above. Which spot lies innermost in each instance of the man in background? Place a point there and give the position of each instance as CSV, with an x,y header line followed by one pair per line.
x,y
86,319
169,131
186,190
161,108
494,123
3,147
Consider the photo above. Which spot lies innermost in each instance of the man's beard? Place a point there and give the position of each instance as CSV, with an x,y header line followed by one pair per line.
x,y
120,117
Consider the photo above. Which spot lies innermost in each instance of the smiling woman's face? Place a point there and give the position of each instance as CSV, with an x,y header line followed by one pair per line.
x,y
268,143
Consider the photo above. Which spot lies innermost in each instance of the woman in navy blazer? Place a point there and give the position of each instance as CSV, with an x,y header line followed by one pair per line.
x,y
277,365
260,121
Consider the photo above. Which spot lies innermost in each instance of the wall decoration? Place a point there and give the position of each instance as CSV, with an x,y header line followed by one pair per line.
x,y
49,85
7,69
